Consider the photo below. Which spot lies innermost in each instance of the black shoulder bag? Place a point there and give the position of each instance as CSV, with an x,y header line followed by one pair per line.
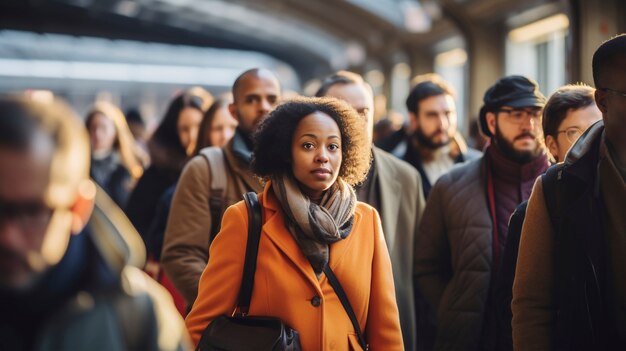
x,y
242,332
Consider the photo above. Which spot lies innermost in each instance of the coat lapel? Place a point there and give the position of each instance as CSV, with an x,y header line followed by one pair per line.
x,y
278,233
390,187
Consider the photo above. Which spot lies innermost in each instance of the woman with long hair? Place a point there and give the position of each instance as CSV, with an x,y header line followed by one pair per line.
x,y
217,127
116,161
170,146
310,152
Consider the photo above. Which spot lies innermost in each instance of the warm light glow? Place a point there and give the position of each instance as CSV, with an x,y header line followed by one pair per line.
x,y
540,28
452,58
375,78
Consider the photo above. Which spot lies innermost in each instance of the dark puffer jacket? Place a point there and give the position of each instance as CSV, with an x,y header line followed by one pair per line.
x,y
454,255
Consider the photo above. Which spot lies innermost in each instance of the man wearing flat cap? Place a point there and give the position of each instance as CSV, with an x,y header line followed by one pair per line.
x,y
463,231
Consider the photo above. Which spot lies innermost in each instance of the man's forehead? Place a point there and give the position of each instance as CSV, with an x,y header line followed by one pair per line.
x,y
254,84
354,94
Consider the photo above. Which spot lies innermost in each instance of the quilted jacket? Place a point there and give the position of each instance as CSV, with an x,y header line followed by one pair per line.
x,y
454,255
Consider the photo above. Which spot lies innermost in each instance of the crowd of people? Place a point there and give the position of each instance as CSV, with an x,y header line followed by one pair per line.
x,y
108,241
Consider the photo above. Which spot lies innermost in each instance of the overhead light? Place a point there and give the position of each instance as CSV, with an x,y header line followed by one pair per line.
x,y
540,28
451,58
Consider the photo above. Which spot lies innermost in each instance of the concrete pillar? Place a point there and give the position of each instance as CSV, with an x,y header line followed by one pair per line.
x,y
485,51
591,24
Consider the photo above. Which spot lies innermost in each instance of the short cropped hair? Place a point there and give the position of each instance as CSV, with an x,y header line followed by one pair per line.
x,y
274,136
604,57
566,98
427,85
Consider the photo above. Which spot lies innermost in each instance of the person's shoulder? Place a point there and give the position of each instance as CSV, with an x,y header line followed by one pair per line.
x,y
465,172
365,210
471,154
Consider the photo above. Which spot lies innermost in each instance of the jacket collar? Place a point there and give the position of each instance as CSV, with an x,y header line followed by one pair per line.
x,y
235,153
275,229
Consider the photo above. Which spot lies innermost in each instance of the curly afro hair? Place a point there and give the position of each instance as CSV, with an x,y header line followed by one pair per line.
x,y
274,136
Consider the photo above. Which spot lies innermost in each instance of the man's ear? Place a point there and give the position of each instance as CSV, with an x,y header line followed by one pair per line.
x,y
600,97
491,122
413,122
83,206
553,147
232,108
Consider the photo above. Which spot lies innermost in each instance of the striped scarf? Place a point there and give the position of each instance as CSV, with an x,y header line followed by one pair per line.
x,y
313,226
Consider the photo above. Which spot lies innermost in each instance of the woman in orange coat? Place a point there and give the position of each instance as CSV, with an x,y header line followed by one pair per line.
x,y
310,151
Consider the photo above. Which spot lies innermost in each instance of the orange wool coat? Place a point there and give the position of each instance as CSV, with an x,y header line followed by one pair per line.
x,y
286,286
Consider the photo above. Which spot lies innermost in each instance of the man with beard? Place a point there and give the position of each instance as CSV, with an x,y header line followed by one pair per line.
x,y
392,187
465,223
430,142
214,180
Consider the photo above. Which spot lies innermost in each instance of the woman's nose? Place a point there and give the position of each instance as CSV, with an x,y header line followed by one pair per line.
x,y
321,156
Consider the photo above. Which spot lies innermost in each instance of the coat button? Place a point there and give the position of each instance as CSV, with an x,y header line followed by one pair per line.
x,y
316,301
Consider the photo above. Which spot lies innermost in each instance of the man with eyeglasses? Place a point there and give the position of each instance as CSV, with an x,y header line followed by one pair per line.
x,y
570,282
465,222
70,276
568,113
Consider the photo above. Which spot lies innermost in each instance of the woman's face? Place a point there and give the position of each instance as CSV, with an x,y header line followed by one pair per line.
x,y
222,127
187,126
316,153
102,133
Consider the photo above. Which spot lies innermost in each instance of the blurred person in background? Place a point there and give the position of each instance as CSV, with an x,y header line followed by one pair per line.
x,y
214,180
171,145
137,127
69,277
430,142
217,125
116,161
394,189
568,113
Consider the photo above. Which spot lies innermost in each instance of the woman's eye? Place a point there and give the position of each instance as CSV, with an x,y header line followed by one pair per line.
x,y
333,147
307,146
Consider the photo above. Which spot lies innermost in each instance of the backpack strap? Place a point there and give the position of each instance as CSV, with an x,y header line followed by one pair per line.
x,y
252,249
217,189
334,282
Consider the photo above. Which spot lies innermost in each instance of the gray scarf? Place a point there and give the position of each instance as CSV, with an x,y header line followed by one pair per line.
x,y
315,226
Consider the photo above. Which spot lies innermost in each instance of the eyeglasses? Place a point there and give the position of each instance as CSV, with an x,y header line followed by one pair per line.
x,y
31,217
621,93
518,116
572,133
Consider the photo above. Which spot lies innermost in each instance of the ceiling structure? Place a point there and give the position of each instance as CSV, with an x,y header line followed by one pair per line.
x,y
314,37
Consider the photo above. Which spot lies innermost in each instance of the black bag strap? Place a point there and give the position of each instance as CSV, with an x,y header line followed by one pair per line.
x,y
334,282
252,249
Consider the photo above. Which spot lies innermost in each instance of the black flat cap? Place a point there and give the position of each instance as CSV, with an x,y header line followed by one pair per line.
x,y
514,91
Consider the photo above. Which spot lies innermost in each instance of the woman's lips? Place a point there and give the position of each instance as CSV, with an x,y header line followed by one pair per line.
x,y
321,173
